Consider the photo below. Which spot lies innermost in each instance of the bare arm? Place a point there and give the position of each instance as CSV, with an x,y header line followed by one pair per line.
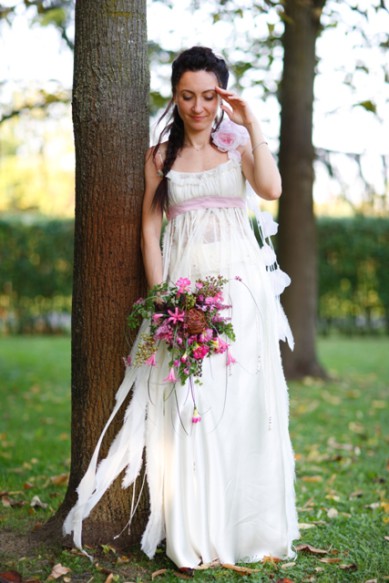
x,y
151,225
258,164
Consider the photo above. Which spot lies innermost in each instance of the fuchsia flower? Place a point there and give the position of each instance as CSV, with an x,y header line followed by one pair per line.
x,y
151,361
230,358
196,417
183,285
157,317
171,377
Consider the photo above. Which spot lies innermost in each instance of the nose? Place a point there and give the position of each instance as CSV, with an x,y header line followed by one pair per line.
x,y
197,105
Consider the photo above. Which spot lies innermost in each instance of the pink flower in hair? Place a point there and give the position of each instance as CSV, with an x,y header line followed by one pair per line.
x,y
229,136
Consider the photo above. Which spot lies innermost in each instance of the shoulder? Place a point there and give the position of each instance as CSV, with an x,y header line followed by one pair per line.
x,y
155,157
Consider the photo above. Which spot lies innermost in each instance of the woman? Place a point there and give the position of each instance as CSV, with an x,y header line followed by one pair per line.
x,y
221,489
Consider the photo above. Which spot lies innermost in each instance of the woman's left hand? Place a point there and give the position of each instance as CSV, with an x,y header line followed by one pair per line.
x,y
235,107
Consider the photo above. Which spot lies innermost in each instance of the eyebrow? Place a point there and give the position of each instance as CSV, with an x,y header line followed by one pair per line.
x,y
213,90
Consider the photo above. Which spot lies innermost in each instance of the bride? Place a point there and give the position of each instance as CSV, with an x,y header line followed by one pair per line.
x,y
221,489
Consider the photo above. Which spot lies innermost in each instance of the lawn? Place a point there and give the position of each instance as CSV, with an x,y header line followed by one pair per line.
x,y
340,433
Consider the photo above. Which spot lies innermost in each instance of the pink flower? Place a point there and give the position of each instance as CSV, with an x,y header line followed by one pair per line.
x,y
230,358
196,417
200,352
171,377
199,285
157,316
183,285
229,136
164,332
176,316
151,361
206,335
127,360
221,345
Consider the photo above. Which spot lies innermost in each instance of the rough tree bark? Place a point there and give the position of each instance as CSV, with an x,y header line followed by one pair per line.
x,y
110,117
297,236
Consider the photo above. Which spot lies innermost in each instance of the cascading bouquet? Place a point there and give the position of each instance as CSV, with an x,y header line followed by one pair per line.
x,y
189,322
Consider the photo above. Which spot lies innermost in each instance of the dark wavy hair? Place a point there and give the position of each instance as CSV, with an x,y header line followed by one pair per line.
x,y
194,59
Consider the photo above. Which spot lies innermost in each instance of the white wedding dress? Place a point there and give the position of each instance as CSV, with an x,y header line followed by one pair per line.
x,y
221,489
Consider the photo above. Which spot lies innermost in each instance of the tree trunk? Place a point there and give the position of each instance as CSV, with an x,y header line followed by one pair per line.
x,y
110,117
297,237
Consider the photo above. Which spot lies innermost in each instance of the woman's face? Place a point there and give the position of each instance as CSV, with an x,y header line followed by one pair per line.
x,y
197,100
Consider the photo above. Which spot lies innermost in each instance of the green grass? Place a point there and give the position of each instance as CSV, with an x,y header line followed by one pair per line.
x,y
339,430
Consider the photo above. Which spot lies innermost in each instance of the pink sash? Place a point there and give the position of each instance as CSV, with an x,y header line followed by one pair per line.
x,y
205,202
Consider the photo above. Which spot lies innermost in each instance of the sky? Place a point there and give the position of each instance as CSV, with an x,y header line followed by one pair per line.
x,y
34,55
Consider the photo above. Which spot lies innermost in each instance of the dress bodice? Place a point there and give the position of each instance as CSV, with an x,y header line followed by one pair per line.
x,y
225,180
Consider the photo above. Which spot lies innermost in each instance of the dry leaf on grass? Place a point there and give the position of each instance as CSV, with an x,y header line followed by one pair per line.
x,y
36,502
109,578
332,513
311,478
330,560
311,549
158,573
58,571
60,480
240,570
11,577
288,565
306,525
348,567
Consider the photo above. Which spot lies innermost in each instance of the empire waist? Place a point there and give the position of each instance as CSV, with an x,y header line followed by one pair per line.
x,y
205,202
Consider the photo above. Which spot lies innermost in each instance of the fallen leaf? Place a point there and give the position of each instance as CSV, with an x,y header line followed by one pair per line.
x,y
188,574
373,506
312,478
372,581
306,525
332,513
27,486
241,570
109,578
356,494
37,503
386,538
330,560
11,576
349,567
60,480
58,571
158,573
311,549
270,559
284,580
288,565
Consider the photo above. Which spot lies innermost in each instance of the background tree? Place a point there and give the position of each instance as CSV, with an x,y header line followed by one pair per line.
x,y
297,237
110,116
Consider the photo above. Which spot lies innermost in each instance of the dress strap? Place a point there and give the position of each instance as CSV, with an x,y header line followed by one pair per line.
x,y
205,202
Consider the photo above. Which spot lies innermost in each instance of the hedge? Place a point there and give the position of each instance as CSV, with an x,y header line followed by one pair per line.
x,y
36,275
